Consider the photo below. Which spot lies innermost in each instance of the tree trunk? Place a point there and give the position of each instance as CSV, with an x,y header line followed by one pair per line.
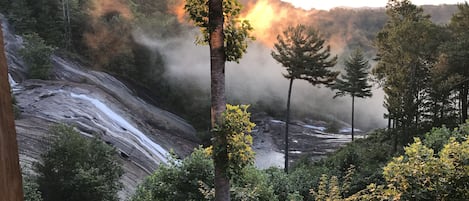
x,y
464,103
394,147
353,115
11,187
389,121
287,122
218,103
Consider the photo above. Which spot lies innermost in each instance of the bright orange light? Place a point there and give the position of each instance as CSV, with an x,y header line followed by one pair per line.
x,y
178,10
263,16
268,17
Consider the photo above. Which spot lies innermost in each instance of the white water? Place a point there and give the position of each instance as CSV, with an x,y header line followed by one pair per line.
x,y
277,121
319,128
349,130
11,80
156,149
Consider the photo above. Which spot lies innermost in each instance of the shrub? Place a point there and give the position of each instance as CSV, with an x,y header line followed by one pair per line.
x,y
75,168
36,54
179,180
31,190
192,179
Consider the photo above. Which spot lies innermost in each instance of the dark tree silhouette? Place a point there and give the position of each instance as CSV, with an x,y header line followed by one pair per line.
x,y
355,81
301,51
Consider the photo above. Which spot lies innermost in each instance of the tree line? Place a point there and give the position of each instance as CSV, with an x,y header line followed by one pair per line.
x,y
422,69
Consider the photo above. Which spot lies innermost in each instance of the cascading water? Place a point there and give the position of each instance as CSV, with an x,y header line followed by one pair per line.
x,y
98,105
151,146
12,81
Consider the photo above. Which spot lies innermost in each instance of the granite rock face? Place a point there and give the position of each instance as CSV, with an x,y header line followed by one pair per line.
x,y
97,105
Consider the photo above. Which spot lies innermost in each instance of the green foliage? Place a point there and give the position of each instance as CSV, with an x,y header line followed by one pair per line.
x,y
19,14
192,179
438,137
457,48
31,190
237,32
252,185
301,51
404,64
36,54
328,189
422,175
419,174
456,54
355,81
179,180
75,168
237,127
374,192
279,181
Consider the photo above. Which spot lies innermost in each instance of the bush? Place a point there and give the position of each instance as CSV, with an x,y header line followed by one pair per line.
x,y
76,169
438,137
31,190
421,174
36,54
192,179
179,180
253,184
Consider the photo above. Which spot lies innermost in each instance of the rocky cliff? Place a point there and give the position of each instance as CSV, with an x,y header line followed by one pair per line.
x,y
98,105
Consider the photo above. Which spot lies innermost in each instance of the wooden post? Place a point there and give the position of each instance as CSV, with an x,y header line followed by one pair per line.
x,y
11,187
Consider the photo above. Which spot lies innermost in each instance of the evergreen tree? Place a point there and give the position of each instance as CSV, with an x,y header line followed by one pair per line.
x,y
301,51
76,169
404,64
354,83
457,51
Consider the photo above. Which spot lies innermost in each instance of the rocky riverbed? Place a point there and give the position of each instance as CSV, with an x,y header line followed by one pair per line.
x,y
307,138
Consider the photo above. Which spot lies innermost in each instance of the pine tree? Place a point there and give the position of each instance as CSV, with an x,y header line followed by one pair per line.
x,y
301,51
404,64
457,51
354,82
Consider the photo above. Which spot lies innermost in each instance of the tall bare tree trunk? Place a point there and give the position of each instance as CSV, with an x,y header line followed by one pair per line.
x,y
287,122
218,103
353,115
11,188
464,92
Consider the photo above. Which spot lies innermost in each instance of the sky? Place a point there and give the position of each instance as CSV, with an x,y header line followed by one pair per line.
x,y
328,4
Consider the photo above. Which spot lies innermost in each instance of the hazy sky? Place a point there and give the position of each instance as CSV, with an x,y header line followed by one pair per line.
x,y
327,4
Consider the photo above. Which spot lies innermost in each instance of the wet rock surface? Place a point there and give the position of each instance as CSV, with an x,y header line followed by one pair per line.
x,y
98,105
306,139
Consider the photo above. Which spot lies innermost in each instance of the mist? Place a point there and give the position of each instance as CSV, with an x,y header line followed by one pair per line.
x,y
258,78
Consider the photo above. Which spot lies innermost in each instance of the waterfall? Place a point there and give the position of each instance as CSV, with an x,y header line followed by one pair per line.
x,y
154,148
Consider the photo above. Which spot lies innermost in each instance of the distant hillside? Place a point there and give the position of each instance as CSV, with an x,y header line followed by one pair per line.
x,y
440,14
349,28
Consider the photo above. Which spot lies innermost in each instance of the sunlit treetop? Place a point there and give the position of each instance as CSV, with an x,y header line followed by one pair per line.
x,y
237,32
